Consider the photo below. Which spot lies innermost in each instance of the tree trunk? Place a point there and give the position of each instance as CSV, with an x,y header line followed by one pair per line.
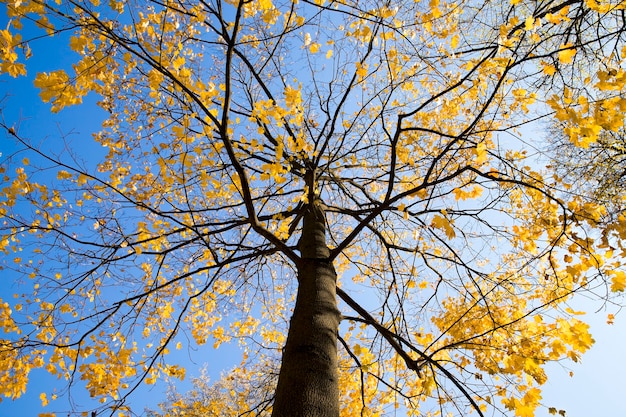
x,y
308,380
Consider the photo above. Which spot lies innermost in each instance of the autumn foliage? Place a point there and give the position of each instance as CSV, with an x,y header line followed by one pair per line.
x,y
382,163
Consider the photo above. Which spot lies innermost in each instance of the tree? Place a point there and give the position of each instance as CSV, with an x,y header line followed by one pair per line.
x,y
248,389
264,156
599,166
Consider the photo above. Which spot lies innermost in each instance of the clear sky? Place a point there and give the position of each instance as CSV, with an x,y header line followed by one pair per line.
x,y
596,388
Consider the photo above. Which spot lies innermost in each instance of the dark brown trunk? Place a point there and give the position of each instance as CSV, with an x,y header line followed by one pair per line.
x,y
308,380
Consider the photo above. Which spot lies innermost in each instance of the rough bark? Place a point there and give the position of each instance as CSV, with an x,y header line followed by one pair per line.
x,y
308,380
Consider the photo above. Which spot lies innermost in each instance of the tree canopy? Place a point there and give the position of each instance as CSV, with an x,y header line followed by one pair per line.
x,y
599,167
351,191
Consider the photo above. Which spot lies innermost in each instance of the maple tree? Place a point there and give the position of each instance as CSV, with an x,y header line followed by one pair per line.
x,y
599,166
265,159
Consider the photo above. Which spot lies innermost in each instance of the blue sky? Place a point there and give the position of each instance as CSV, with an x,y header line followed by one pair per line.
x,y
595,389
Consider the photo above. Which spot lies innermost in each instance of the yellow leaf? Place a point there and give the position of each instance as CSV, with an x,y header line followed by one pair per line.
x,y
178,62
314,47
464,194
444,224
574,312
454,42
529,23
548,69
361,70
265,4
618,281
293,97
14,69
63,175
610,319
481,153
78,43
566,53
